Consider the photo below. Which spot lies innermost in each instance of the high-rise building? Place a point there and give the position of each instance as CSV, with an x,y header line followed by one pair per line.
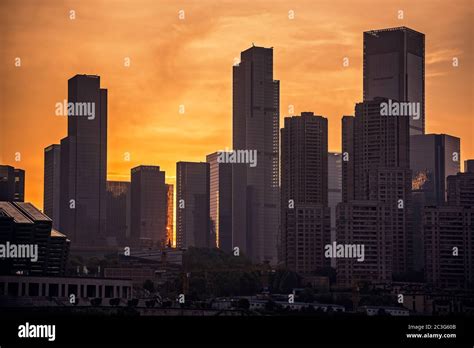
x,y
118,213
433,157
449,246
305,216
364,223
169,214
148,206
12,184
460,187
448,232
52,170
192,204
334,187
255,189
84,163
394,68
220,207
347,162
382,178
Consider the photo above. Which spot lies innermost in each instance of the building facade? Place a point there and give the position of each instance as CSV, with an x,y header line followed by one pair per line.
x,y
255,190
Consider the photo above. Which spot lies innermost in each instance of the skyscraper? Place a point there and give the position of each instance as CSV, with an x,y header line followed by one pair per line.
x,y
192,204
52,170
148,206
394,68
347,162
334,187
220,208
118,213
381,189
305,216
448,232
255,190
433,157
12,184
84,164
169,214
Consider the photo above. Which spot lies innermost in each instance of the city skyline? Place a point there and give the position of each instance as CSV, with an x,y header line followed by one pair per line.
x,y
167,134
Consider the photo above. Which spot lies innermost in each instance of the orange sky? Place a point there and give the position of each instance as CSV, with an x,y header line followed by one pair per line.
x,y
189,62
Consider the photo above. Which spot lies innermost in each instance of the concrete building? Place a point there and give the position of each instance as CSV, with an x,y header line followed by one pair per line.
x,y
305,216
22,225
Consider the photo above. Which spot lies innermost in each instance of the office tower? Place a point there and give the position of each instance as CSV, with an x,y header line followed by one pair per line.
x,y
347,162
23,224
305,216
382,178
448,232
192,204
394,68
169,214
220,208
148,206
334,187
433,157
12,184
51,195
84,164
118,213
255,190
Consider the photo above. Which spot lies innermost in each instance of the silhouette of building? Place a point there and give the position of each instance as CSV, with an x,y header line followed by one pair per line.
x,y
255,208
347,162
23,225
12,184
84,164
148,206
305,216
220,208
334,187
367,223
433,157
52,170
169,214
381,189
448,232
394,68
118,213
192,204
